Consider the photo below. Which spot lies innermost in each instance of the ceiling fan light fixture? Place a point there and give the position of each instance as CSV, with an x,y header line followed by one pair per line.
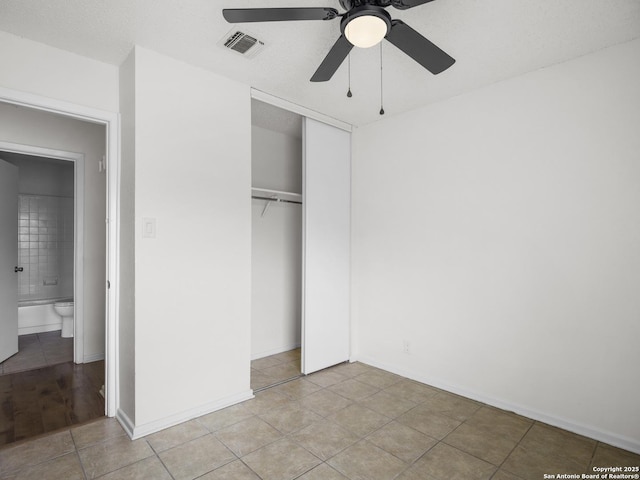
x,y
365,31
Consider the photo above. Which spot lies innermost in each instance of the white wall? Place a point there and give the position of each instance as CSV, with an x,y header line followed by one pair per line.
x,y
32,127
192,281
276,160
276,278
42,177
276,244
498,233
36,68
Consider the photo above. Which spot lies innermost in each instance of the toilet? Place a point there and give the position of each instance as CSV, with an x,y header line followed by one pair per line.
x,y
65,310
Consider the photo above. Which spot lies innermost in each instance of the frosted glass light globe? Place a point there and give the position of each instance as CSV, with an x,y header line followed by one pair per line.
x,y
365,31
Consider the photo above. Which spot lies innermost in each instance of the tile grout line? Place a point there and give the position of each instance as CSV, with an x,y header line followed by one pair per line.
x,y
157,454
513,449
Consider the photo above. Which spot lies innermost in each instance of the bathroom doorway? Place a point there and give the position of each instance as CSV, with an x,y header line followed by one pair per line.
x,y
63,253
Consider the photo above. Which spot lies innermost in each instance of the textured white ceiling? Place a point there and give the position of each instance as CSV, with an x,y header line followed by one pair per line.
x,y
491,40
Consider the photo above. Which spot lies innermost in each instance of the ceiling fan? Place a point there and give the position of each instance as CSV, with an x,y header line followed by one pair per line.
x,y
364,24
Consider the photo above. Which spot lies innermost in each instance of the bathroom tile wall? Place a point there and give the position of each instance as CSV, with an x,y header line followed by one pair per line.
x,y
45,247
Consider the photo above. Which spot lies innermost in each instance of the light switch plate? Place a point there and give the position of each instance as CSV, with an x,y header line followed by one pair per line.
x,y
148,228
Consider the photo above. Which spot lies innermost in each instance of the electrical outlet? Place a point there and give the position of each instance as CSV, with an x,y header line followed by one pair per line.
x,y
405,346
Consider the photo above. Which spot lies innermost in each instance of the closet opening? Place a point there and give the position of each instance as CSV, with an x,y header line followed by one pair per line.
x,y
276,245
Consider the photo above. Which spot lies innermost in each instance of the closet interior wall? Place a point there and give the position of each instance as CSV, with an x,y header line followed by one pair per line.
x,y
276,230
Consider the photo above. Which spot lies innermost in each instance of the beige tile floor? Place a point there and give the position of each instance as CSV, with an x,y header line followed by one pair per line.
x,y
274,369
38,350
349,422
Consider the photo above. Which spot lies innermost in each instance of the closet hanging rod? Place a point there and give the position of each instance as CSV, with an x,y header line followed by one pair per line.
x,y
275,199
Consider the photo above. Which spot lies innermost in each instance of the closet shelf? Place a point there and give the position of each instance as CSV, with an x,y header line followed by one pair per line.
x,y
268,193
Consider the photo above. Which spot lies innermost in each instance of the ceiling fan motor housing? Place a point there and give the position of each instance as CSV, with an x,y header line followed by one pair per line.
x,y
349,4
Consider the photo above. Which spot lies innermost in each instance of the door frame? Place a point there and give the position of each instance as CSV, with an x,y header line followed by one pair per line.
x,y
78,234
111,122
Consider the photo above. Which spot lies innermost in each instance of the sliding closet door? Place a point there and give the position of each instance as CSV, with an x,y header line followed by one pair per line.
x,y
326,240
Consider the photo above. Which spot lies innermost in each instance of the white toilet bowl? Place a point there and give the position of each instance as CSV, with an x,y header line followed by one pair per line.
x,y
65,310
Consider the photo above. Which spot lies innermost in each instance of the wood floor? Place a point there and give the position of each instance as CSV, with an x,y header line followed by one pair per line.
x,y
50,398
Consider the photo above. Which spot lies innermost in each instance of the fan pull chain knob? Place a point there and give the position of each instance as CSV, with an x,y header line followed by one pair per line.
x,y
349,94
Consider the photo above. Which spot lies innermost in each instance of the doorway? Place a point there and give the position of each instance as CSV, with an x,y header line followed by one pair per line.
x,y
89,294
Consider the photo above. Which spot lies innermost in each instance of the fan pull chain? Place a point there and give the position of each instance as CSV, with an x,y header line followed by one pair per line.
x,y
349,94
381,103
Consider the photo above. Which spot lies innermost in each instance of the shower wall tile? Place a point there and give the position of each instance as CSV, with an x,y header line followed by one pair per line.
x,y
45,246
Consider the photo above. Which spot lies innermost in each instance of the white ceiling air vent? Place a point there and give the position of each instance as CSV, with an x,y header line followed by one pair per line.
x,y
241,42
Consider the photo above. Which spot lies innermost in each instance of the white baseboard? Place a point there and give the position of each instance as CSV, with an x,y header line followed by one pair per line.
x,y
138,431
620,441
39,328
125,421
94,357
274,351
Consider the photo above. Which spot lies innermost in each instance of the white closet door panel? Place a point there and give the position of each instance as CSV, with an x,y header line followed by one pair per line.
x,y
327,194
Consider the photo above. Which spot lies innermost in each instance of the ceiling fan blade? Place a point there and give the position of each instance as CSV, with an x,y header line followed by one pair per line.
x,y
242,15
419,48
404,4
333,60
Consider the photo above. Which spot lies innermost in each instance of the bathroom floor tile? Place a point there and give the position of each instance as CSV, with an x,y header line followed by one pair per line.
x,y
38,350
